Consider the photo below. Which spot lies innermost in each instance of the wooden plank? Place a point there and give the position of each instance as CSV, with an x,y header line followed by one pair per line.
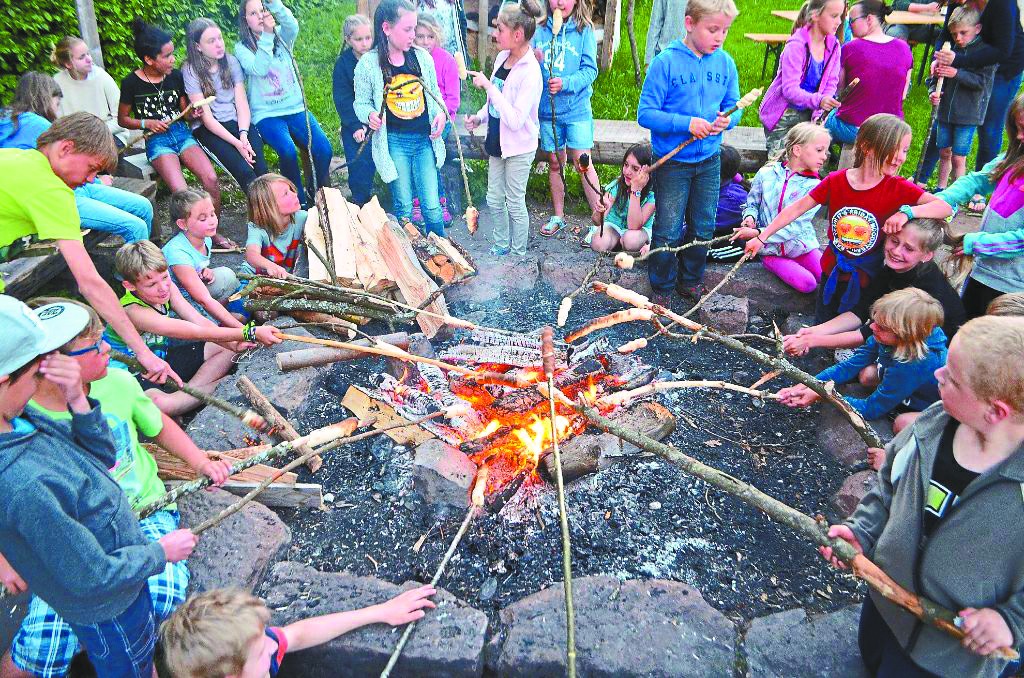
x,y
363,406
767,38
299,495
612,14
344,254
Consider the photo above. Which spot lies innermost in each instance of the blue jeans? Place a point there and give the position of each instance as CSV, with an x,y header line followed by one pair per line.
x,y
109,209
842,131
361,171
958,137
990,134
122,647
686,193
413,155
282,133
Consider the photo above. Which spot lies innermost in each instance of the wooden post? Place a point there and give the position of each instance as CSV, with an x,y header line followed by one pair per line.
x,y
483,37
610,42
87,27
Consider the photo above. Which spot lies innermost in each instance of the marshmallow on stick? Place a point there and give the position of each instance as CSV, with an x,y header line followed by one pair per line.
x,y
556,21
460,63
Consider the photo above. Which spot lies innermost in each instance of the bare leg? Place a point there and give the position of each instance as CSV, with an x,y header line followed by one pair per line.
x,y
903,421
869,376
169,168
216,365
606,242
945,157
593,197
634,239
195,159
959,167
557,160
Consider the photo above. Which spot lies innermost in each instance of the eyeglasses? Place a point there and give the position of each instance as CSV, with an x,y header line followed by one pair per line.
x,y
854,19
98,347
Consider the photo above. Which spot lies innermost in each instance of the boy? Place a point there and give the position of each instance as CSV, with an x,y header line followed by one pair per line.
x,y
689,84
159,311
224,634
45,644
947,512
65,525
964,101
37,203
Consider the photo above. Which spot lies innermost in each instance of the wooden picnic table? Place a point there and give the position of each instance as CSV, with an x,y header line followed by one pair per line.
x,y
773,44
898,17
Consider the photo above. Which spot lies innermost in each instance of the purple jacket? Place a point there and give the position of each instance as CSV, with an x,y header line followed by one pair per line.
x,y
785,89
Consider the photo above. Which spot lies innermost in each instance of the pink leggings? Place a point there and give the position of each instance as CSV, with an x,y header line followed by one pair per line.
x,y
802,273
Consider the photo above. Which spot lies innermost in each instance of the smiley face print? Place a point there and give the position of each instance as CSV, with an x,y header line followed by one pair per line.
x,y
855,231
404,97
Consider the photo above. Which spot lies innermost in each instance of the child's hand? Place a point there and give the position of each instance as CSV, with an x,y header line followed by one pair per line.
x,y
799,343
554,85
375,121
753,246
275,271
359,134
106,179
986,631
639,180
155,126
720,124
539,54
744,233
480,80
876,457
895,223
11,580
934,98
245,149
437,126
178,545
844,533
65,372
207,276
699,127
828,104
267,335
946,71
944,57
645,249
269,23
217,470
797,396
407,607
471,122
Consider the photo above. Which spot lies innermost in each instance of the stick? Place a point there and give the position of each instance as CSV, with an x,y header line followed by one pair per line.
x,y
850,86
281,425
806,526
631,32
247,417
317,357
173,119
548,355
732,271
931,122
623,397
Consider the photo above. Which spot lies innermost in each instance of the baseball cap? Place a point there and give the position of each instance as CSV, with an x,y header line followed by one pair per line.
x,y
28,334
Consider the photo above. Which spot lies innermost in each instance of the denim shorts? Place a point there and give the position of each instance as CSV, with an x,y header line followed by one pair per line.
x,y
958,137
579,136
177,139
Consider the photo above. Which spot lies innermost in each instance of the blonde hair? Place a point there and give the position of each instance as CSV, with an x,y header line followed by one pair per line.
x,y
810,10
93,328
522,14
931,233
261,208
964,16
61,54
801,134
427,20
209,635
136,259
581,15
699,9
184,200
911,314
1007,305
88,133
992,349
352,22
881,135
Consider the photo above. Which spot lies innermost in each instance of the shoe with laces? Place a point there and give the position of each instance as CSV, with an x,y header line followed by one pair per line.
x,y
691,292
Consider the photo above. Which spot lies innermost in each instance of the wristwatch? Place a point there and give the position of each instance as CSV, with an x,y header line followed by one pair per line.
x,y
907,210
637,193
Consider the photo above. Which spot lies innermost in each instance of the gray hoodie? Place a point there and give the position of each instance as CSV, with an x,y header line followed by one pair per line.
x,y
971,559
65,525
965,96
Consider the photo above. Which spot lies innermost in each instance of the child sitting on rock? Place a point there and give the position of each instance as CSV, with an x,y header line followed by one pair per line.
x,y
627,207
276,224
226,634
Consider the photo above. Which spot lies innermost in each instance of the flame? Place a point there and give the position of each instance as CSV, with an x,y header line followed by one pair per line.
x,y
536,435
492,426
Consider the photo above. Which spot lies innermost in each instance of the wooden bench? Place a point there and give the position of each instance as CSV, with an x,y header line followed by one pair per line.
x,y
773,44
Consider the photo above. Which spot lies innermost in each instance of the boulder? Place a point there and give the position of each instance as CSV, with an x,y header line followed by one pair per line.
x,y
853,490
239,551
765,291
623,629
442,474
726,313
791,643
837,436
449,641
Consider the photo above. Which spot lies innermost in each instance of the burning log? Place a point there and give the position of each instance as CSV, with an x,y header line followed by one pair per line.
x,y
317,357
517,356
282,426
481,444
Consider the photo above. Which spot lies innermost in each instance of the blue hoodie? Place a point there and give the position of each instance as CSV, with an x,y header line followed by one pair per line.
x,y
681,85
30,126
913,382
573,58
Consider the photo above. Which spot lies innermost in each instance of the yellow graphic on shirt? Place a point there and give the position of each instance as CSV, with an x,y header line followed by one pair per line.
x,y
405,97
856,230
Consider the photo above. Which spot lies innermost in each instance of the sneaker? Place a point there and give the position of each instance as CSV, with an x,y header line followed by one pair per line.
x,y
661,299
691,292
500,251
417,213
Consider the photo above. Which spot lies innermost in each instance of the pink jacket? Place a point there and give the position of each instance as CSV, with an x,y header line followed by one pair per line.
x,y
447,79
785,88
516,104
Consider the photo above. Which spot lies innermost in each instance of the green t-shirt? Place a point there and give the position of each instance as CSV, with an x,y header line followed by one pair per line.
x,y
128,410
35,204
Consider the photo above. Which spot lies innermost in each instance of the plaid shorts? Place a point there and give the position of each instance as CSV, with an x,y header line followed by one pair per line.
x,y
45,644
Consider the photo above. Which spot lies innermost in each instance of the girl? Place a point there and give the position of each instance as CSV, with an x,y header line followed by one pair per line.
x,y
510,114
149,97
569,68
100,206
907,346
86,86
397,96
452,22
628,207
275,94
358,36
808,72
224,125
792,253
859,200
276,224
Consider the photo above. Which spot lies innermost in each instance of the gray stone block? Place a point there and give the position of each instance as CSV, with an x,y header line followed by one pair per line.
x,y
789,644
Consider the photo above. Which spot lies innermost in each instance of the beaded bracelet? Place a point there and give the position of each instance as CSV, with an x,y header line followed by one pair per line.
x,y
249,331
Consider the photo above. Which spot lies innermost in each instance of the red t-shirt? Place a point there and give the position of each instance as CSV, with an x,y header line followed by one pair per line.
x,y
855,217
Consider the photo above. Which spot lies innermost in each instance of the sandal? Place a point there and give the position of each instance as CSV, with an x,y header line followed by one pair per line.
x,y
977,204
552,228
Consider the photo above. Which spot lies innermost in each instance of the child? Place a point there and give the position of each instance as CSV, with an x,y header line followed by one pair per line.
x,y
686,187
71,534
792,253
808,74
33,109
568,64
628,207
161,314
668,23
965,96
188,255
224,129
909,262
399,78
276,224
907,346
452,20
1011,304
733,190
225,632
859,201
86,86
45,644
945,515
275,93
358,35
152,95
510,114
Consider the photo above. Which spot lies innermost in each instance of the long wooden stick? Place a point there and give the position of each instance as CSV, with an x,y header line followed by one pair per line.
x,y
721,283
146,134
623,397
850,86
380,349
926,610
282,426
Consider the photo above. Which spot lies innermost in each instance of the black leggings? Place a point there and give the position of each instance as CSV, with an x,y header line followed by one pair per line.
x,y
977,296
243,172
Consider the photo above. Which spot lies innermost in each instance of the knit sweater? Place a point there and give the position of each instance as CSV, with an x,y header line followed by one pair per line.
x,y
517,105
269,73
97,94
344,91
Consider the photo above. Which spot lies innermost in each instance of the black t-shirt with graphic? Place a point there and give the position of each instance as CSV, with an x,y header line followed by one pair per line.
x,y
493,142
405,103
949,480
153,100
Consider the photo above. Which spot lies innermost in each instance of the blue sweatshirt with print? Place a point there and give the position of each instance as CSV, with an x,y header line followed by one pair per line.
x,y
681,85
269,75
571,56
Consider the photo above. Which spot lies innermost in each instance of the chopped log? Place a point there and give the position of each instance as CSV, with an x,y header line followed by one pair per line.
x,y
277,494
459,256
374,273
365,407
439,257
284,429
343,250
170,467
317,357
342,328
337,308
